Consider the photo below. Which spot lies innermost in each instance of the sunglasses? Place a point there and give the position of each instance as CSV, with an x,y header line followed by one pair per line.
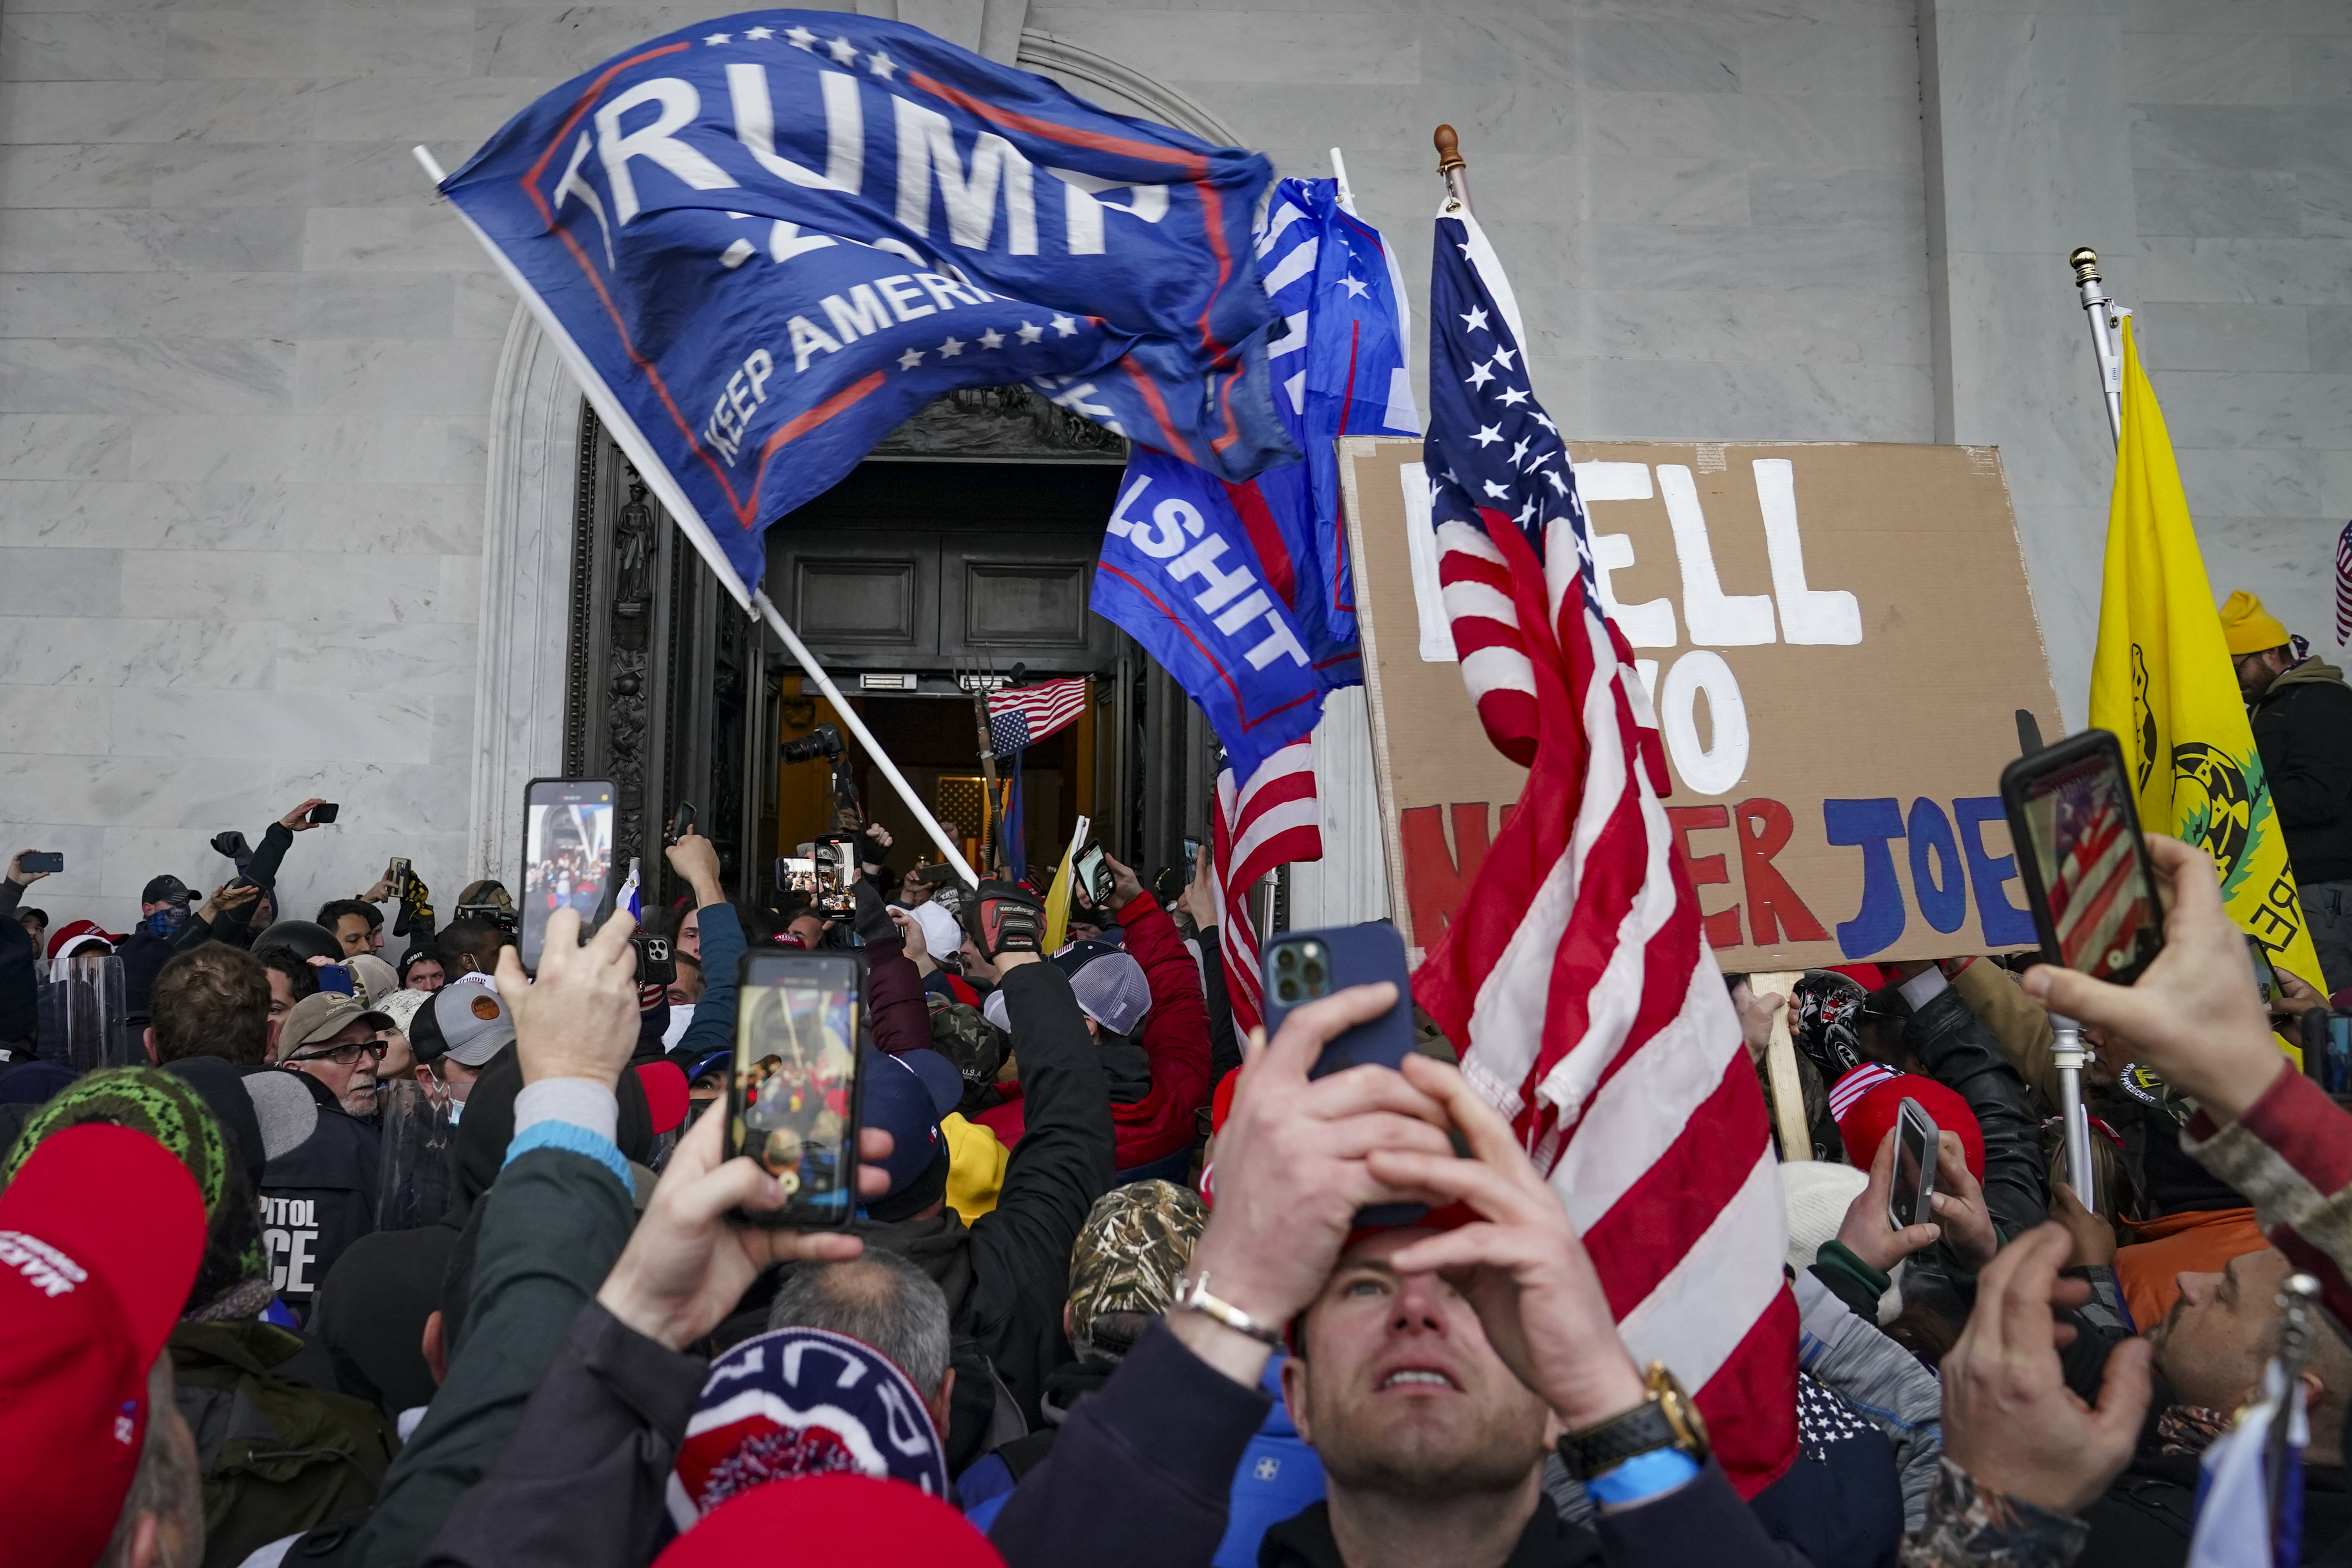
x,y
344,1055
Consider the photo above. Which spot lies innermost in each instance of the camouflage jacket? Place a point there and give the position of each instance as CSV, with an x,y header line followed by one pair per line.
x,y
1971,1528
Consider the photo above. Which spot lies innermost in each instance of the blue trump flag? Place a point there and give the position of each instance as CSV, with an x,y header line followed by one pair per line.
x,y
1340,366
765,241
1257,657
1179,571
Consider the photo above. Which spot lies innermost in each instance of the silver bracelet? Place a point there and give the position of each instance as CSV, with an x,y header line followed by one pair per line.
x,y
1192,1295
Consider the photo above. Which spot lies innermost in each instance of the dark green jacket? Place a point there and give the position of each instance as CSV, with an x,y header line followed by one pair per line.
x,y
551,1229
275,1456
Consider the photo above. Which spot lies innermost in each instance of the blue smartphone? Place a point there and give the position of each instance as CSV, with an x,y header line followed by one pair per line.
x,y
1301,965
336,978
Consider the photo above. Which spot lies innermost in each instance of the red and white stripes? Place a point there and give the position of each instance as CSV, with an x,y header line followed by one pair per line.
x,y
1272,819
1592,1010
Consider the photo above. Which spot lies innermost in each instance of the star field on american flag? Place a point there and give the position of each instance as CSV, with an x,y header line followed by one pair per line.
x,y
1503,458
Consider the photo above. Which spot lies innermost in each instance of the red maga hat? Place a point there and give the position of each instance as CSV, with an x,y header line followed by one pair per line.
x,y
1867,1101
87,1300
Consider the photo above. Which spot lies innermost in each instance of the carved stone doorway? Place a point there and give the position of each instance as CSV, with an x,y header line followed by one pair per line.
x,y
965,544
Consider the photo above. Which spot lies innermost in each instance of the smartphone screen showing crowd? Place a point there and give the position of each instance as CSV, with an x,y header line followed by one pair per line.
x,y
1092,871
567,858
2083,861
1915,1167
793,1104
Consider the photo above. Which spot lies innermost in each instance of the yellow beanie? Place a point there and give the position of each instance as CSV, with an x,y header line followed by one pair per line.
x,y
976,1163
2248,627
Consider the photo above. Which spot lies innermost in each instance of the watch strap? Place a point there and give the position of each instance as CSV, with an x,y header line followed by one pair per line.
x,y
1640,1430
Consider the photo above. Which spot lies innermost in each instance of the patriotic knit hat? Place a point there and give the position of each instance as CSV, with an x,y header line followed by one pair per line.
x,y
803,1402
1866,1103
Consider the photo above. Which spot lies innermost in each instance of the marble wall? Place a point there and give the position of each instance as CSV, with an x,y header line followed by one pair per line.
x,y
249,375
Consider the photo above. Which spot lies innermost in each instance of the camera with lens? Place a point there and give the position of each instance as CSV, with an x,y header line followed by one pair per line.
x,y
819,743
1301,973
490,903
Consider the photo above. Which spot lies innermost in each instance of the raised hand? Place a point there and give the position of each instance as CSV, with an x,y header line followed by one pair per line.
x,y
2010,1420
299,819
1867,1233
685,1267
580,1019
2192,1014
1520,1266
1292,1167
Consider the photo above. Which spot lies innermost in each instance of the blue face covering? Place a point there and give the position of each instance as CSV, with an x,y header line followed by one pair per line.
x,y
168,921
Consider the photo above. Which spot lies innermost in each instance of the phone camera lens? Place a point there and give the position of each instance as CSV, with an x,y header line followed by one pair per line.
x,y
1314,972
1285,958
1287,989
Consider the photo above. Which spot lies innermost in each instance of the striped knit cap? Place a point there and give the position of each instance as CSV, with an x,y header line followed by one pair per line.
x,y
234,1280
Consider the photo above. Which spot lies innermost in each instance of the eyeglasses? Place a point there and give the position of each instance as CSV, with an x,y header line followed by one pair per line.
x,y
344,1055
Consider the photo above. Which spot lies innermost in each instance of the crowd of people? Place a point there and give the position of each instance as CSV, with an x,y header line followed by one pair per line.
x,y
315,1256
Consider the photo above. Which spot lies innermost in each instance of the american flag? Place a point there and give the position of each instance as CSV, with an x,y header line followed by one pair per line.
x,y
2344,585
1594,1013
1021,716
1271,819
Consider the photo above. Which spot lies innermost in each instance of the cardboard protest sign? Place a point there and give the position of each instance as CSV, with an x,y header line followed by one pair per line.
x,y
1836,639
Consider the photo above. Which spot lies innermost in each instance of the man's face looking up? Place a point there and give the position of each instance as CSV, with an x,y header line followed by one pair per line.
x,y
1398,1391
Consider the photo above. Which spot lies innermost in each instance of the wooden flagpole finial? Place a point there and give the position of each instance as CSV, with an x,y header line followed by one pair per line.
x,y
1449,150
1452,166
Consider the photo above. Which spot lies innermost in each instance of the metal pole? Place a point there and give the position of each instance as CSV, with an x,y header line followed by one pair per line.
x,y
1451,166
1339,173
2296,1298
2066,1054
881,759
2103,314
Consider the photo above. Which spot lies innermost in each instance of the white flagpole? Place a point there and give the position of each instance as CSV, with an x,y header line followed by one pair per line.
x,y
2066,1053
1347,192
681,510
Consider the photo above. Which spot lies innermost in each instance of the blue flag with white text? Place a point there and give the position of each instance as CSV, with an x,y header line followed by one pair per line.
x,y
767,240
1340,368
1179,573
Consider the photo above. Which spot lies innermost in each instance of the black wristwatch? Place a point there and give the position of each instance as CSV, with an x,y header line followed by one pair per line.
x,y
1667,1419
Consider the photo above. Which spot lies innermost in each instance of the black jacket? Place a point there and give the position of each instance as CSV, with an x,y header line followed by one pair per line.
x,y
143,955
2144,1520
20,988
236,927
1007,1278
1956,1048
1146,1480
2302,728
316,1198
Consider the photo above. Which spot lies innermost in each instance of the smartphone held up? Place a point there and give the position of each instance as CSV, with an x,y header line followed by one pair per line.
x,y
567,858
2083,858
793,1102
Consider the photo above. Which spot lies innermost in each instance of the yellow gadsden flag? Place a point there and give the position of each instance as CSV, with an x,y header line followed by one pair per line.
x,y
2161,681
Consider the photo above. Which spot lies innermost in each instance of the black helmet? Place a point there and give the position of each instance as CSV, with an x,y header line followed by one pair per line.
x,y
304,939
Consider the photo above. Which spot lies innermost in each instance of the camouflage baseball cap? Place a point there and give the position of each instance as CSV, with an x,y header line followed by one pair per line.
x,y
1137,1239
961,1035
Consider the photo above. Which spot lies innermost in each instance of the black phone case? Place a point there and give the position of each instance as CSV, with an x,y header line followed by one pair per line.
x,y
778,963
2015,781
